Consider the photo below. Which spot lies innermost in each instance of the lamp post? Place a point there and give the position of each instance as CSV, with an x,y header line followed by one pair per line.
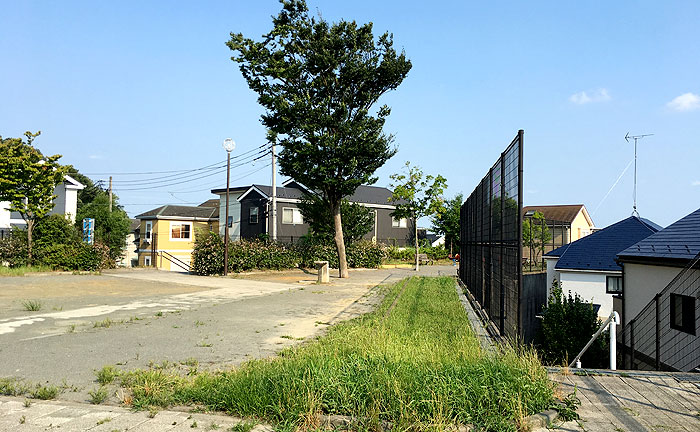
x,y
229,145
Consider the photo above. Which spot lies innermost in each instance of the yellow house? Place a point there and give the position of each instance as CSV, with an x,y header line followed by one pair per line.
x,y
167,234
566,223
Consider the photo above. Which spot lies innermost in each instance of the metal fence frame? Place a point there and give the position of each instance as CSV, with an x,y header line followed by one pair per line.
x,y
491,245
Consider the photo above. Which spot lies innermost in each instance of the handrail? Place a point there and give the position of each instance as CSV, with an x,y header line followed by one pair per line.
x,y
183,265
612,320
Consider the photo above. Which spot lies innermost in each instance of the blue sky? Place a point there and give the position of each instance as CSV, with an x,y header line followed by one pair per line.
x,y
149,86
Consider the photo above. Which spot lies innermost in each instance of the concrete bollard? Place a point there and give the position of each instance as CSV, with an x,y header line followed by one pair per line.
x,y
323,275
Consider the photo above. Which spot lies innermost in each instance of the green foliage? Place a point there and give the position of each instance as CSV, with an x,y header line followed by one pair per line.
x,y
76,256
567,325
409,254
246,255
45,392
111,228
318,83
54,229
361,254
446,222
32,305
27,180
357,220
416,364
207,254
13,249
536,234
98,396
107,374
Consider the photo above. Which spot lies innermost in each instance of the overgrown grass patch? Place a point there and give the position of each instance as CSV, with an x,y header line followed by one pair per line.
x,y
417,365
22,270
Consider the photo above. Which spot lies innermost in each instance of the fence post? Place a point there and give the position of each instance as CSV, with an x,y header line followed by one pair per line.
x,y
658,332
632,345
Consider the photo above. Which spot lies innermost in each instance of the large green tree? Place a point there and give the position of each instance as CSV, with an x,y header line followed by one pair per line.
x,y
446,222
27,180
319,84
111,228
358,220
416,195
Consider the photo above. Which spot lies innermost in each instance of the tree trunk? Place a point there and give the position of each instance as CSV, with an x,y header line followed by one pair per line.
x,y
340,242
30,227
415,225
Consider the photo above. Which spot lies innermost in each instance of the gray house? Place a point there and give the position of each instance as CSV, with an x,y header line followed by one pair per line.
x,y
249,213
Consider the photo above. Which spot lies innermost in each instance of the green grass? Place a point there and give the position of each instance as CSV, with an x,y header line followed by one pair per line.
x,y
420,368
45,392
107,374
105,323
21,271
98,395
32,305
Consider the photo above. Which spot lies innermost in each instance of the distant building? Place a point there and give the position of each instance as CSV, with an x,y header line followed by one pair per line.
x,y
566,224
587,266
249,213
167,234
65,203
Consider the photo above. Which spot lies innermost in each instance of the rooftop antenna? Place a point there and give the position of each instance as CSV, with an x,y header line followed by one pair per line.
x,y
634,195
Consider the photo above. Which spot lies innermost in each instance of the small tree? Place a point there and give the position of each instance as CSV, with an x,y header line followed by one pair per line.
x,y
111,228
446,222
416,196
536,234
568,323
357,220
27,180
319,84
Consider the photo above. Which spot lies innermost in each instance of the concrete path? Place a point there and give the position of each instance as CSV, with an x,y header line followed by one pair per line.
x,y
633,401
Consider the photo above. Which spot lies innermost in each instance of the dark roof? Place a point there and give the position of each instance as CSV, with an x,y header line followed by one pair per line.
x,y
363,194
559,213
134,225
174,211
231,189
678,241
214,202
597,251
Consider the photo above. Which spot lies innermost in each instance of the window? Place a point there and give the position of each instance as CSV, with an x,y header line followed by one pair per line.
x,y
683,313
147,261
253,216
230,221
399,223
149,227
291,216
613,285
180,231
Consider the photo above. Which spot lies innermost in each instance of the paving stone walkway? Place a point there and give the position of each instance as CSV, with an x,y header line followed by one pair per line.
x,y
632,401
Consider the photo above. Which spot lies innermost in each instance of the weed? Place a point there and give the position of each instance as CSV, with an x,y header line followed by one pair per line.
x,y
23,420
159,313
192,362
104,420
27,403
198,323
152,412
204,345
624,375
32,305
287,337
71,329
98,396
194,424
45,392
243,427
22,270
214,426
105,323
567,407
12,387
57,308
107,374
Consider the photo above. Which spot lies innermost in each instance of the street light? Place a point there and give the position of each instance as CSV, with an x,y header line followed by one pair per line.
x,y
229,145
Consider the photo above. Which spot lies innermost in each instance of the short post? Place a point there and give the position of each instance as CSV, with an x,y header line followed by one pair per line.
x,y
613,340
323,273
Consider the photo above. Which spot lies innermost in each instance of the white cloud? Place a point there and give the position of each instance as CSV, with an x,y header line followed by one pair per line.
x,y
94,157
581,98
695,183
685,102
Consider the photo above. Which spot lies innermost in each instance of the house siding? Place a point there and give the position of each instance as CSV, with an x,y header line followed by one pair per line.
x,y
641,284
181,249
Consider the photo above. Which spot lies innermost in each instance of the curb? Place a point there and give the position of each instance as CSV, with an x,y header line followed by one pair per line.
x,y
541,420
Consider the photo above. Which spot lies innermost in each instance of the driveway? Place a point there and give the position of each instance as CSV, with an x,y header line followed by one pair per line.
x,y
135,318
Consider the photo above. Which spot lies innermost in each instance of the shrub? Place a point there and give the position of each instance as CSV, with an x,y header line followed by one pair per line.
x,y
567,325
208,254
75,256
260,254
52,230
365,254
13,249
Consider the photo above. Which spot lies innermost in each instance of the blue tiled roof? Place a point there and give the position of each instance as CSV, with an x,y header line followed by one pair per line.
x,y
680,240
597,251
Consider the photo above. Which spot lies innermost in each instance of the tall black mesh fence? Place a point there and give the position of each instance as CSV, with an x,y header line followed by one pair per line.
x,y
491,240
665,335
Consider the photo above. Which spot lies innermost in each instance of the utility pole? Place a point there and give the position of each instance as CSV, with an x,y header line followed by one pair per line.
x,y
110,194
229,145
273,210
634,193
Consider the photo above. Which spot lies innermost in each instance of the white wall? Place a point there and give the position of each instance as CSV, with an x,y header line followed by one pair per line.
x,y
234,209
642,283
4,214
590,286
551,273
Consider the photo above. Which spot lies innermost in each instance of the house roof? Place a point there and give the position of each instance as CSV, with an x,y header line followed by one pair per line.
x,y
678,241
184,212
70,181
363,194
560,213
598,250
214,202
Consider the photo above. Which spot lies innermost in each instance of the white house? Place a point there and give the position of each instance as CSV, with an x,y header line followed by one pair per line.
x,y
587,266
660,300
66,203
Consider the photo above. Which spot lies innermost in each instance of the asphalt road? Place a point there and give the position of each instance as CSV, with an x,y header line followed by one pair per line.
x,y
136,318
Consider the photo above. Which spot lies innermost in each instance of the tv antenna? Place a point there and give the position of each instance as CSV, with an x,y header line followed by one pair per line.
x,y
634,194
